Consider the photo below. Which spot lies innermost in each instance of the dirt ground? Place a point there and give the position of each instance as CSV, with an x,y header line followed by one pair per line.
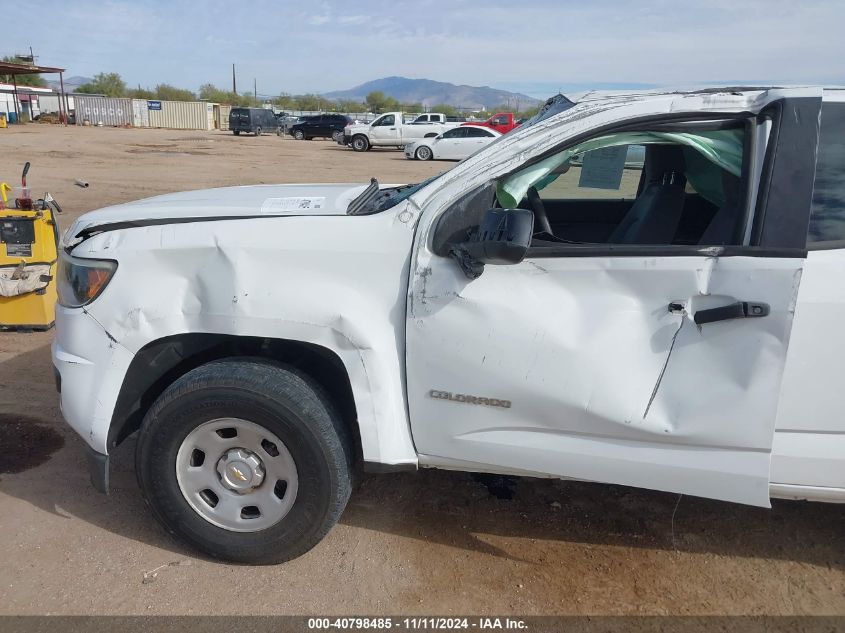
x,y
423,543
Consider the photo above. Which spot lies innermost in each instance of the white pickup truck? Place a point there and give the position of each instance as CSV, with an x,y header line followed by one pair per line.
x,y
389,130
673,323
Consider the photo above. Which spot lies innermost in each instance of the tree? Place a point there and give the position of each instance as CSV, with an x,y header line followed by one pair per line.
x,y
446,109
22,80
350,105
166,92
310,102
109,84
210,92
377,101
140,93
285,101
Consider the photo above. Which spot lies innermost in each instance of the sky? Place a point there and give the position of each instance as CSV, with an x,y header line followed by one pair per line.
x,y
534,46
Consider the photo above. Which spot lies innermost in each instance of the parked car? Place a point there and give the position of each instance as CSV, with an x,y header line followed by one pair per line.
x,y
286,121
676,328
502,122
389,130
253,121
322,125
454,144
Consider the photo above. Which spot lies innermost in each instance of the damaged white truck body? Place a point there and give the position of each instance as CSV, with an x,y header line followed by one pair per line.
x,y
671,324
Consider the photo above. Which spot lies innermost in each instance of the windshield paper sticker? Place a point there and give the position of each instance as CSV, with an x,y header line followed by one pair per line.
x,y
291,205
602,168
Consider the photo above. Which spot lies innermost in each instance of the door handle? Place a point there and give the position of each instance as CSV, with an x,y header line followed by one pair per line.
x,y
393,129
738,310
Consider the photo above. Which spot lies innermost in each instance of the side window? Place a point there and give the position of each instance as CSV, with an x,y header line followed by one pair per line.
x,y
649,188
477,132
390,119
827,213
457,132
611,173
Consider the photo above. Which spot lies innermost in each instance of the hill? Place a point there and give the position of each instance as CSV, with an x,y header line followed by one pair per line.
x,y
71,83
429,93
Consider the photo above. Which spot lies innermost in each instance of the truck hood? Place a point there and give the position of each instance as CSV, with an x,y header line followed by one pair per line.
x,y
223,203
356,127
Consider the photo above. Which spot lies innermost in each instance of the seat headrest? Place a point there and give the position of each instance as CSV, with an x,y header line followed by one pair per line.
x,y
662,159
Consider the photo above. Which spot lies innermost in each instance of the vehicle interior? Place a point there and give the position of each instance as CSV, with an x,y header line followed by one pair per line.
x,y
636,188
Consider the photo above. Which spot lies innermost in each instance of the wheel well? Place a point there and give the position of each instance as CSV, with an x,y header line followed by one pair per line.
x,y
160,363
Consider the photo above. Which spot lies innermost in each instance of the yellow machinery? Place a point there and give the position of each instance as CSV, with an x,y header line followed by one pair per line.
x,y
28,241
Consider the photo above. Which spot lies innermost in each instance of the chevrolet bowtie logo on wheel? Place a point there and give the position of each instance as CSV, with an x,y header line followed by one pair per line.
x,y
237,473
462,397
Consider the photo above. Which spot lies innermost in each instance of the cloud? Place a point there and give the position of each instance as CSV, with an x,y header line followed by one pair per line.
x,y
304,46
318,20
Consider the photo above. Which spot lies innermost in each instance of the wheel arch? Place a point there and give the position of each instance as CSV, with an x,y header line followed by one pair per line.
x,y
161,362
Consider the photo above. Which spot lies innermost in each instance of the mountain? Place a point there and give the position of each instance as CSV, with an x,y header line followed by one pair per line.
x,y
430,93
71,83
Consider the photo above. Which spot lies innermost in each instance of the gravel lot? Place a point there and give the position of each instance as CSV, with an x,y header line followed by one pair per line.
x,y
427,542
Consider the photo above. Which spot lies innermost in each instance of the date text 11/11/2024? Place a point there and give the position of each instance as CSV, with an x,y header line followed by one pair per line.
x,y
417,623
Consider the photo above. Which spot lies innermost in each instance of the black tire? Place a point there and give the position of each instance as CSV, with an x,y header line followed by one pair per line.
x,y
337,136
258,131
299,135
278,131
360,143
424,153
283,401
236,132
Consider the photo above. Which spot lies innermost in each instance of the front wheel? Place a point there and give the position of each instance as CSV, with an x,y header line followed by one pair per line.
x,y
360,143
299,135
337,136
246,461
424,153
258,131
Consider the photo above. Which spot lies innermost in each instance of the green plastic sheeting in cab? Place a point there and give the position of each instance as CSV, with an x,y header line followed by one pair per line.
x,y
722,148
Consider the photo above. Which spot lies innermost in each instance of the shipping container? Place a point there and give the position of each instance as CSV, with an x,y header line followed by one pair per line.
x,y
52,103
140,113
111,111
221,114
181,115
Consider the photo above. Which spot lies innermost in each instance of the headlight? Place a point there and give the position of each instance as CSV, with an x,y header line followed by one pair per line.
x,y
79,281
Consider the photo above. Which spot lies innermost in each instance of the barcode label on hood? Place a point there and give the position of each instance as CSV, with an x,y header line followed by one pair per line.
x,y
291,205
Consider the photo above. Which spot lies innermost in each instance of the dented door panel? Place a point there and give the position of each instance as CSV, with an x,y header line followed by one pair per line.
x,y
606,382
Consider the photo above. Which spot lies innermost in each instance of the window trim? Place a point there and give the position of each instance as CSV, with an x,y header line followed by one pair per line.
x,y
785,194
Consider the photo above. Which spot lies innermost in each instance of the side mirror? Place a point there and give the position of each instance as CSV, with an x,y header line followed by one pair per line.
x,y
502,238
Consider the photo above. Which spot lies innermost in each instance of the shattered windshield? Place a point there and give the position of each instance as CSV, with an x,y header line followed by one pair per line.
x,y
375,200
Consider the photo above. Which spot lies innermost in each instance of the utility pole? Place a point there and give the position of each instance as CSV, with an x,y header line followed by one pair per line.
x,y
255,89
234,84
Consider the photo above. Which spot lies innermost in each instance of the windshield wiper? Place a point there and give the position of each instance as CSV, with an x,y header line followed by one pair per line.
x,y
361,205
